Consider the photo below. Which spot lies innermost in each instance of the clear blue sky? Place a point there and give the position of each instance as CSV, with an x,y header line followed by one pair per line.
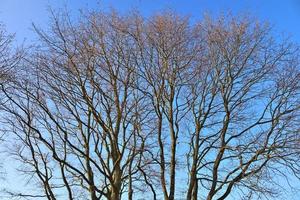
x,y
18,15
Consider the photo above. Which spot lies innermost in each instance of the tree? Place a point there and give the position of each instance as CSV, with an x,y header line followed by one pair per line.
x,y
121,107
245,110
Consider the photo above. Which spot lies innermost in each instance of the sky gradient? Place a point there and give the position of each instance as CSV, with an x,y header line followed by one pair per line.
x,y
18,15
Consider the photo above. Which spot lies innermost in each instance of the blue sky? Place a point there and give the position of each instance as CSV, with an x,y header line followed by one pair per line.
x,y
18,15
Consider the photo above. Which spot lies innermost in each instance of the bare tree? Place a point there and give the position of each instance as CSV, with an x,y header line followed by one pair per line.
x,y
245,109
167,49
127,107
76,112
